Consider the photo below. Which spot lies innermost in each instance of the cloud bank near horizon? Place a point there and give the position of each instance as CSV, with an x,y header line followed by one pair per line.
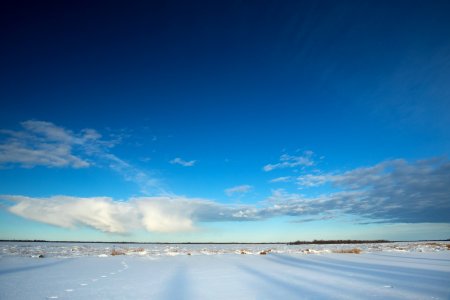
x,y
394,191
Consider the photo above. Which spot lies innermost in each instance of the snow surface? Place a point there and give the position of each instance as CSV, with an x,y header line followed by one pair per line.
x,y
104,250
88,271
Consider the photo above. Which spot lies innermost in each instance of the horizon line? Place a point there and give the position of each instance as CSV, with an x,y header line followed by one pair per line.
x,y
218,243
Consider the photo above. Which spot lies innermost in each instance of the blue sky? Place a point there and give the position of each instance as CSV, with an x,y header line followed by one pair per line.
x,y
231,121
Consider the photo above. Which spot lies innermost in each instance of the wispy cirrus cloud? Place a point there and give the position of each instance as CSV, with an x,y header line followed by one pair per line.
x,y
182,162
281,179
240,189
291,161
44,144
40,143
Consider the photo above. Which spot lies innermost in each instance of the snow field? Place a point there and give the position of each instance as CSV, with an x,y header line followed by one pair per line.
x,y
383,275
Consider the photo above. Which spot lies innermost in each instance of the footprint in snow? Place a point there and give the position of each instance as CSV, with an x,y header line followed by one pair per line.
x,y
93,280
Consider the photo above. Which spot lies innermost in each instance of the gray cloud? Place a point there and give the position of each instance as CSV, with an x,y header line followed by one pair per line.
x,y
393,191
399,191
44,144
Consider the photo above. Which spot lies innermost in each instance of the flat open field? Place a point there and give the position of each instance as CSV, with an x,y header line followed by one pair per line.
x,y
399,271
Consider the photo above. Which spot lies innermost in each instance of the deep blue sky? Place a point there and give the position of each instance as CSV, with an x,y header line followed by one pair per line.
x,y
338,96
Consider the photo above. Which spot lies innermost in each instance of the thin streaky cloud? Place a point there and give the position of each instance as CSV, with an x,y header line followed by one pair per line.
x,y
281,179
240,189
182,162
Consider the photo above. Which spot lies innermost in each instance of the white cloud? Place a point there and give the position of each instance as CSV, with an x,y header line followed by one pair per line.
x,y
291,161
240,189
101,213
155,214
42,143
181,162
166,214
281,179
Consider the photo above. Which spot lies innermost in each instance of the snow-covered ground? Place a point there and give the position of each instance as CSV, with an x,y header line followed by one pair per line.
x,y
88,271
65,250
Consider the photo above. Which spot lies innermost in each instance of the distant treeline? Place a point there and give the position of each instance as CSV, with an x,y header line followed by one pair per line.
x,y
145,243
317,242
324,242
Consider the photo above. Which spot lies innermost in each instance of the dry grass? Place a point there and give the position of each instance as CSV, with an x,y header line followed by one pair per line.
x,y
438,245
265,252
401,248
350,251
432,244
136,250
115,252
